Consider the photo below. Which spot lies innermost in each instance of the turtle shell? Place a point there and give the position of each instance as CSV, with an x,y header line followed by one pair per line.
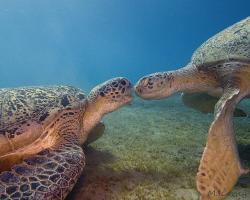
x,y
25,112
233,43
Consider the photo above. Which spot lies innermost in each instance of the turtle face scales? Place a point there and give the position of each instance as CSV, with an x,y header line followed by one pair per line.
x,y
112,94
155,86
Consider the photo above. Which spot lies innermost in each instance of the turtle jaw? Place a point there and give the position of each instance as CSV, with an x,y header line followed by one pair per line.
x,y
127,99
128,96
146,94
142,93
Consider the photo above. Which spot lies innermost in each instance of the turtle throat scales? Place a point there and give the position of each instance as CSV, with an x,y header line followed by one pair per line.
x,y
91,118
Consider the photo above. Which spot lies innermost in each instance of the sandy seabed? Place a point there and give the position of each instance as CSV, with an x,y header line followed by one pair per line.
x,y
151,150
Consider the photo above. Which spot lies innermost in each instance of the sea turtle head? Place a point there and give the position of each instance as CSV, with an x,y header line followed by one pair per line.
x,y
155,86
111,95
103,99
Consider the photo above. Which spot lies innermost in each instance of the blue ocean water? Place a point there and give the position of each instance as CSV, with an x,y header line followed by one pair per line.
x,y
84,42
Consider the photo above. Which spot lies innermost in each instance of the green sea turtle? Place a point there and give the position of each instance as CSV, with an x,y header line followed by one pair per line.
x,y
219,67
41,132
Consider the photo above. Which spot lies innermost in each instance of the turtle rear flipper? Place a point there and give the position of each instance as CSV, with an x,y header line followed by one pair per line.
x,y
50,174
220,165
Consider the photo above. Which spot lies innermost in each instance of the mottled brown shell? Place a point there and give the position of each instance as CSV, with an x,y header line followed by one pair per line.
x,y
233,43
23,108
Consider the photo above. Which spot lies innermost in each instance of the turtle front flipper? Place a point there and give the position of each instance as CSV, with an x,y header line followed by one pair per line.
x,y
199,101
220,166
95,133
50,174
205,103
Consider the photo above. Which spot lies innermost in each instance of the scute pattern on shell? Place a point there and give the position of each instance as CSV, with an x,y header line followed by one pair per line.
x,y
20,106
51,174
232,43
